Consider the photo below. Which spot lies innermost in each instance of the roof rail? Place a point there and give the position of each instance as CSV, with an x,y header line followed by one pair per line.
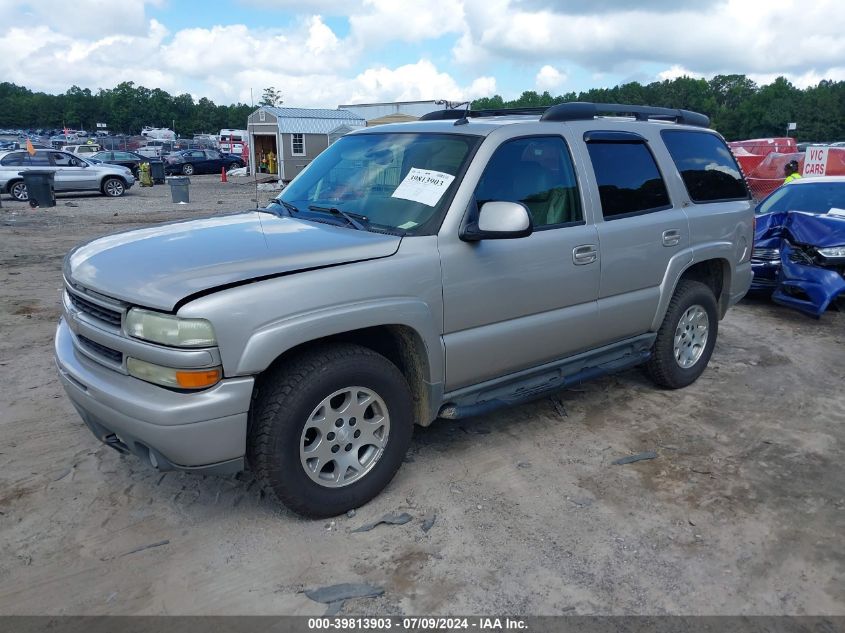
x,y
456,113
578,111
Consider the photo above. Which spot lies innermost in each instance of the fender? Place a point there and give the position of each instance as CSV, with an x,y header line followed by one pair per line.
x,y
277,337
680,263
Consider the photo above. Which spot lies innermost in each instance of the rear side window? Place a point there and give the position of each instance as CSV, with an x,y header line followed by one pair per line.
x,y
628,178
707,166
23,159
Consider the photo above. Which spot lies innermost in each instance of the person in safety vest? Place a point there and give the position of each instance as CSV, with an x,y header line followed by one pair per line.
x,y
790,170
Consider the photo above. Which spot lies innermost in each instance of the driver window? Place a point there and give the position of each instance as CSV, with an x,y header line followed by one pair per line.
x,y
63,160
538,172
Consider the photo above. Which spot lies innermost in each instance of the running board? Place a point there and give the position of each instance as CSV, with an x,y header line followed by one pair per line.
x,y
538,383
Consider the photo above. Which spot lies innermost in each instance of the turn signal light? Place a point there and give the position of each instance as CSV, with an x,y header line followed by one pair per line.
x,y
197,379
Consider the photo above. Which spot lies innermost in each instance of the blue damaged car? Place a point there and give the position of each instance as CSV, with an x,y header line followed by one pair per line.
x,y
799,244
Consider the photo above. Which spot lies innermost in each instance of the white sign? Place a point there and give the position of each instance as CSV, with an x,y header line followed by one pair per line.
x,y
791,126
815,161
423,185
102,125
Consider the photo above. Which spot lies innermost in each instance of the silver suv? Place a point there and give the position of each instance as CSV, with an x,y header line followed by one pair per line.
x,y
441,268
73,173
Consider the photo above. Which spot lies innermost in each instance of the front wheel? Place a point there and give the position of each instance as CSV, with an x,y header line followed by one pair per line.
x,y
328,430
113,187
686,338
188,169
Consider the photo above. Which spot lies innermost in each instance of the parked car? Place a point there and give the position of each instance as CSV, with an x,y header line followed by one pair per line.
x,y
413,271
130,160
86,149
73,173
200,161
799,243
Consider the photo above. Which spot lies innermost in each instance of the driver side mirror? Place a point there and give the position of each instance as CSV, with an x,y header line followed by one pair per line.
x,y
499,221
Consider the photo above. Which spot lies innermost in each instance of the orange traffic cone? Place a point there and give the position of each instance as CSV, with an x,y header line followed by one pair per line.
x,y
223,176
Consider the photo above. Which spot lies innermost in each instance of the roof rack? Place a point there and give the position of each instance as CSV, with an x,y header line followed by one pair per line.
x,y
579,111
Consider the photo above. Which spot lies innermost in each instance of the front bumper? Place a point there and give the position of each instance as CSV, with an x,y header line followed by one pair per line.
x,y
197,431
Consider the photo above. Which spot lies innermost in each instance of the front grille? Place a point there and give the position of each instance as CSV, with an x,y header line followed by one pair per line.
x,y
101,350
112,317
765,255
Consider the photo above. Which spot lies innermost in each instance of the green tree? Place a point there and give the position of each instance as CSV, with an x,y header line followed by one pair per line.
x,y
271,97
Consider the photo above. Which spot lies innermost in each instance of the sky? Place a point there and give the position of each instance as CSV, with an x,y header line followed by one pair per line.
x,y
322,53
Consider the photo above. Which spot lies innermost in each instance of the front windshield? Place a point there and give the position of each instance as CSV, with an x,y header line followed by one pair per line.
x,y
817,197
396,182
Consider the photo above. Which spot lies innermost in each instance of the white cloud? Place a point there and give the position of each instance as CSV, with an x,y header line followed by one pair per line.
x,y
676,71
408,21
549,78
731,36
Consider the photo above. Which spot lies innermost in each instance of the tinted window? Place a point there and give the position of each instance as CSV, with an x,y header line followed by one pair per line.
x,y
212,154
23,159
536,172
123,156
707,166
103,156
628,178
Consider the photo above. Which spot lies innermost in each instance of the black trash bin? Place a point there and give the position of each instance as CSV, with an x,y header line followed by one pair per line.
x,y
179,188
39,187
157,171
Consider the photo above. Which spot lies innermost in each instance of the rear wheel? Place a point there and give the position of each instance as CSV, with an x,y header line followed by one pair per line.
x,y
328,431
18,191
113,187
188,169
686,338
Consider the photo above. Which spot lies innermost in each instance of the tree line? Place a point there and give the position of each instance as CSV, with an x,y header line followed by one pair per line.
x,y
737,106
126,108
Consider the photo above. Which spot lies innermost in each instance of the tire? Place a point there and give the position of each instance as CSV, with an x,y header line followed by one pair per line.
x,y
18,191
290,421
113,187
187,169
686,339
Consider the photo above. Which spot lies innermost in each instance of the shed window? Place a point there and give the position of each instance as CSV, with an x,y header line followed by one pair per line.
x,y
297,144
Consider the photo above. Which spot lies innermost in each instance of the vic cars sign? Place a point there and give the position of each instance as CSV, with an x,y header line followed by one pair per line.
x,y
815,161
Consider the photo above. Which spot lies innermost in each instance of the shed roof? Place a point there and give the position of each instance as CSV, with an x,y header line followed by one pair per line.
x,y
312,120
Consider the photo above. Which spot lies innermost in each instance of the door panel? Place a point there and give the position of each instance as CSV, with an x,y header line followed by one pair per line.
x,y
513,304
640,233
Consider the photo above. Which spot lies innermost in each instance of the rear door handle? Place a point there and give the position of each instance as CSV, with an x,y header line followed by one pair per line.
x,y
671,237
584,254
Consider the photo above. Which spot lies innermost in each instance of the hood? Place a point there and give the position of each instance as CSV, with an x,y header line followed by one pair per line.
x,y
158,266
802,227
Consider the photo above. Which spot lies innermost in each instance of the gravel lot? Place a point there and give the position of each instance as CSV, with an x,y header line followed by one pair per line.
x,y
742,512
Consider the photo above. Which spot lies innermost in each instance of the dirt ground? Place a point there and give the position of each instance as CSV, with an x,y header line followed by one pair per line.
x,y
742,511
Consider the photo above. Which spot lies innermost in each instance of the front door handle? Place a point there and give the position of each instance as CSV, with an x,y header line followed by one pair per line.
x,y
671,237
584,254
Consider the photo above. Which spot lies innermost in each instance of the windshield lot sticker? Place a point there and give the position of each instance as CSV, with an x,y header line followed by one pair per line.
x,y
423,185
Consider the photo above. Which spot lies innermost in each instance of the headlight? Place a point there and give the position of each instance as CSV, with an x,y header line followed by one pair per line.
x,y
834,252
170,377
169,330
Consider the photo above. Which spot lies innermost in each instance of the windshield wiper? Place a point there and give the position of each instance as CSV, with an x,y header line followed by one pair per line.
x,y
287,205
291,209
349,217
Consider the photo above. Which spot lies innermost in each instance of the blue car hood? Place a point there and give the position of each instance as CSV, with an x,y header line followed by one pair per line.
x,y
159,266
802,227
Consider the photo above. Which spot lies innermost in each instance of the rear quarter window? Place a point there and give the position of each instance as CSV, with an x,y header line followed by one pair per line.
x,y
707,167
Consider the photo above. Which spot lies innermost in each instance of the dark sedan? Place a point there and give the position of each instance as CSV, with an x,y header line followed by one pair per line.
x,y
127,159
199,161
